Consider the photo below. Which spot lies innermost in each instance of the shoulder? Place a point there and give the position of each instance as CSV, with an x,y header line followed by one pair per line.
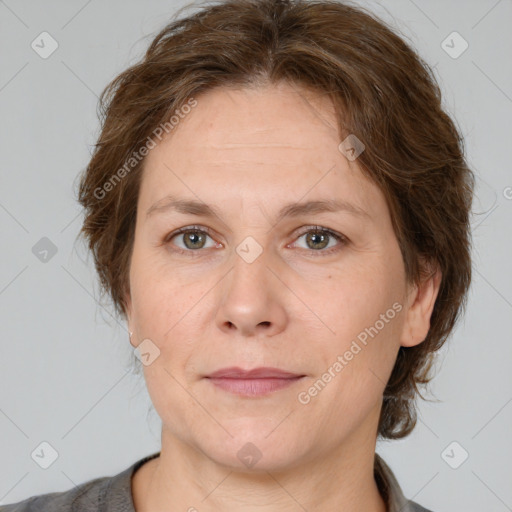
x,y
103,494
83,498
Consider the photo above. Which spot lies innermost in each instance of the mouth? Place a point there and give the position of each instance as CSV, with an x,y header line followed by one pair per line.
x,y
253,383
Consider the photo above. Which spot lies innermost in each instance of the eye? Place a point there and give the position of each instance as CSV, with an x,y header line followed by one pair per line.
x,y
318,238
193,238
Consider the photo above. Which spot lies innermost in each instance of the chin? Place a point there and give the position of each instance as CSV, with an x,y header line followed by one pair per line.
x,y
255,450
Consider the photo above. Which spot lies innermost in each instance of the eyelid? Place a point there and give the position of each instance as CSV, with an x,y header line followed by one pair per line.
x,y
184,229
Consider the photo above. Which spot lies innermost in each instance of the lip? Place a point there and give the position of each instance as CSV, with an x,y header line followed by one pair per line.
x,y
253,383
234,372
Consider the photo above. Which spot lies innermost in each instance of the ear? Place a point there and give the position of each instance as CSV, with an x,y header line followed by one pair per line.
x,y
421,300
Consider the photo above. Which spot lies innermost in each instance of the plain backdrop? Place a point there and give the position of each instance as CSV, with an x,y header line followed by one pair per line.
x,y
65,361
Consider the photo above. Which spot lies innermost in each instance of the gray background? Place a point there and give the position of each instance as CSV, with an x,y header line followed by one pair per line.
x,y
64,359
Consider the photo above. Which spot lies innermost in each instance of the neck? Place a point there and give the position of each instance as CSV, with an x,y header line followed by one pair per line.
x,y
183,478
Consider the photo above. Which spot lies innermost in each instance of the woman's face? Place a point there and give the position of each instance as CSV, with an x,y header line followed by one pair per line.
x,y
248,287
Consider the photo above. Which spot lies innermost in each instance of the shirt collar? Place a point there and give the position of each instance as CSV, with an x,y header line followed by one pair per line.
x,y
389,487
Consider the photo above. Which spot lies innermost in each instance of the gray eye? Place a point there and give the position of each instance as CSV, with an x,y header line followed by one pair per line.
x,y
319,239
192,239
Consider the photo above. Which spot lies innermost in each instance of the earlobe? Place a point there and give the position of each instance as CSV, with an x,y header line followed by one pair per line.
x,y
422,300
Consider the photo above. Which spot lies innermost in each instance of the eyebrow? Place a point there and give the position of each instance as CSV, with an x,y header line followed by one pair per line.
x,y
193,207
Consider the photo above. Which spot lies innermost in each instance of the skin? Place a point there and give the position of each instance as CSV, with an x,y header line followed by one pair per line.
x,y
297,306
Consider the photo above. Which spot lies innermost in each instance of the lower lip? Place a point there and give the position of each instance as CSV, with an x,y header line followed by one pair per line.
x,y
253,387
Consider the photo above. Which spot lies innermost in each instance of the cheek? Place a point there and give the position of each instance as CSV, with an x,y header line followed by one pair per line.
x,y
171,401
363,314
172,316
354,371
351,300
161,294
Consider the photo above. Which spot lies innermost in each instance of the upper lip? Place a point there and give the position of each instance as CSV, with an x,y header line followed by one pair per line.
x,y
235,372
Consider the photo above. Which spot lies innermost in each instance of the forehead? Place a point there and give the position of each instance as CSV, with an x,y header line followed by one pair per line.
x,y
272,141
280,115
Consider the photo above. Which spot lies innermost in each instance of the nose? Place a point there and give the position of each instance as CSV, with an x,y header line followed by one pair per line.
x,y
252,299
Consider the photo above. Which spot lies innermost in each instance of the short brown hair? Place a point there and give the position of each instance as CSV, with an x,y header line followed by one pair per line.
x,y
383,92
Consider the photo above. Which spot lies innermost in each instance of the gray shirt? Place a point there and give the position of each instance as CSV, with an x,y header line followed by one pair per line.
x,y
114,494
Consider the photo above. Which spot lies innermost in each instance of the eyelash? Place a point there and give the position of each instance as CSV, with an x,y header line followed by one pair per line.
x,y
317,229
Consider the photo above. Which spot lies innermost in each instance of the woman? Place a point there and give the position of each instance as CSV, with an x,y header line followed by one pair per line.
x,y
279,208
